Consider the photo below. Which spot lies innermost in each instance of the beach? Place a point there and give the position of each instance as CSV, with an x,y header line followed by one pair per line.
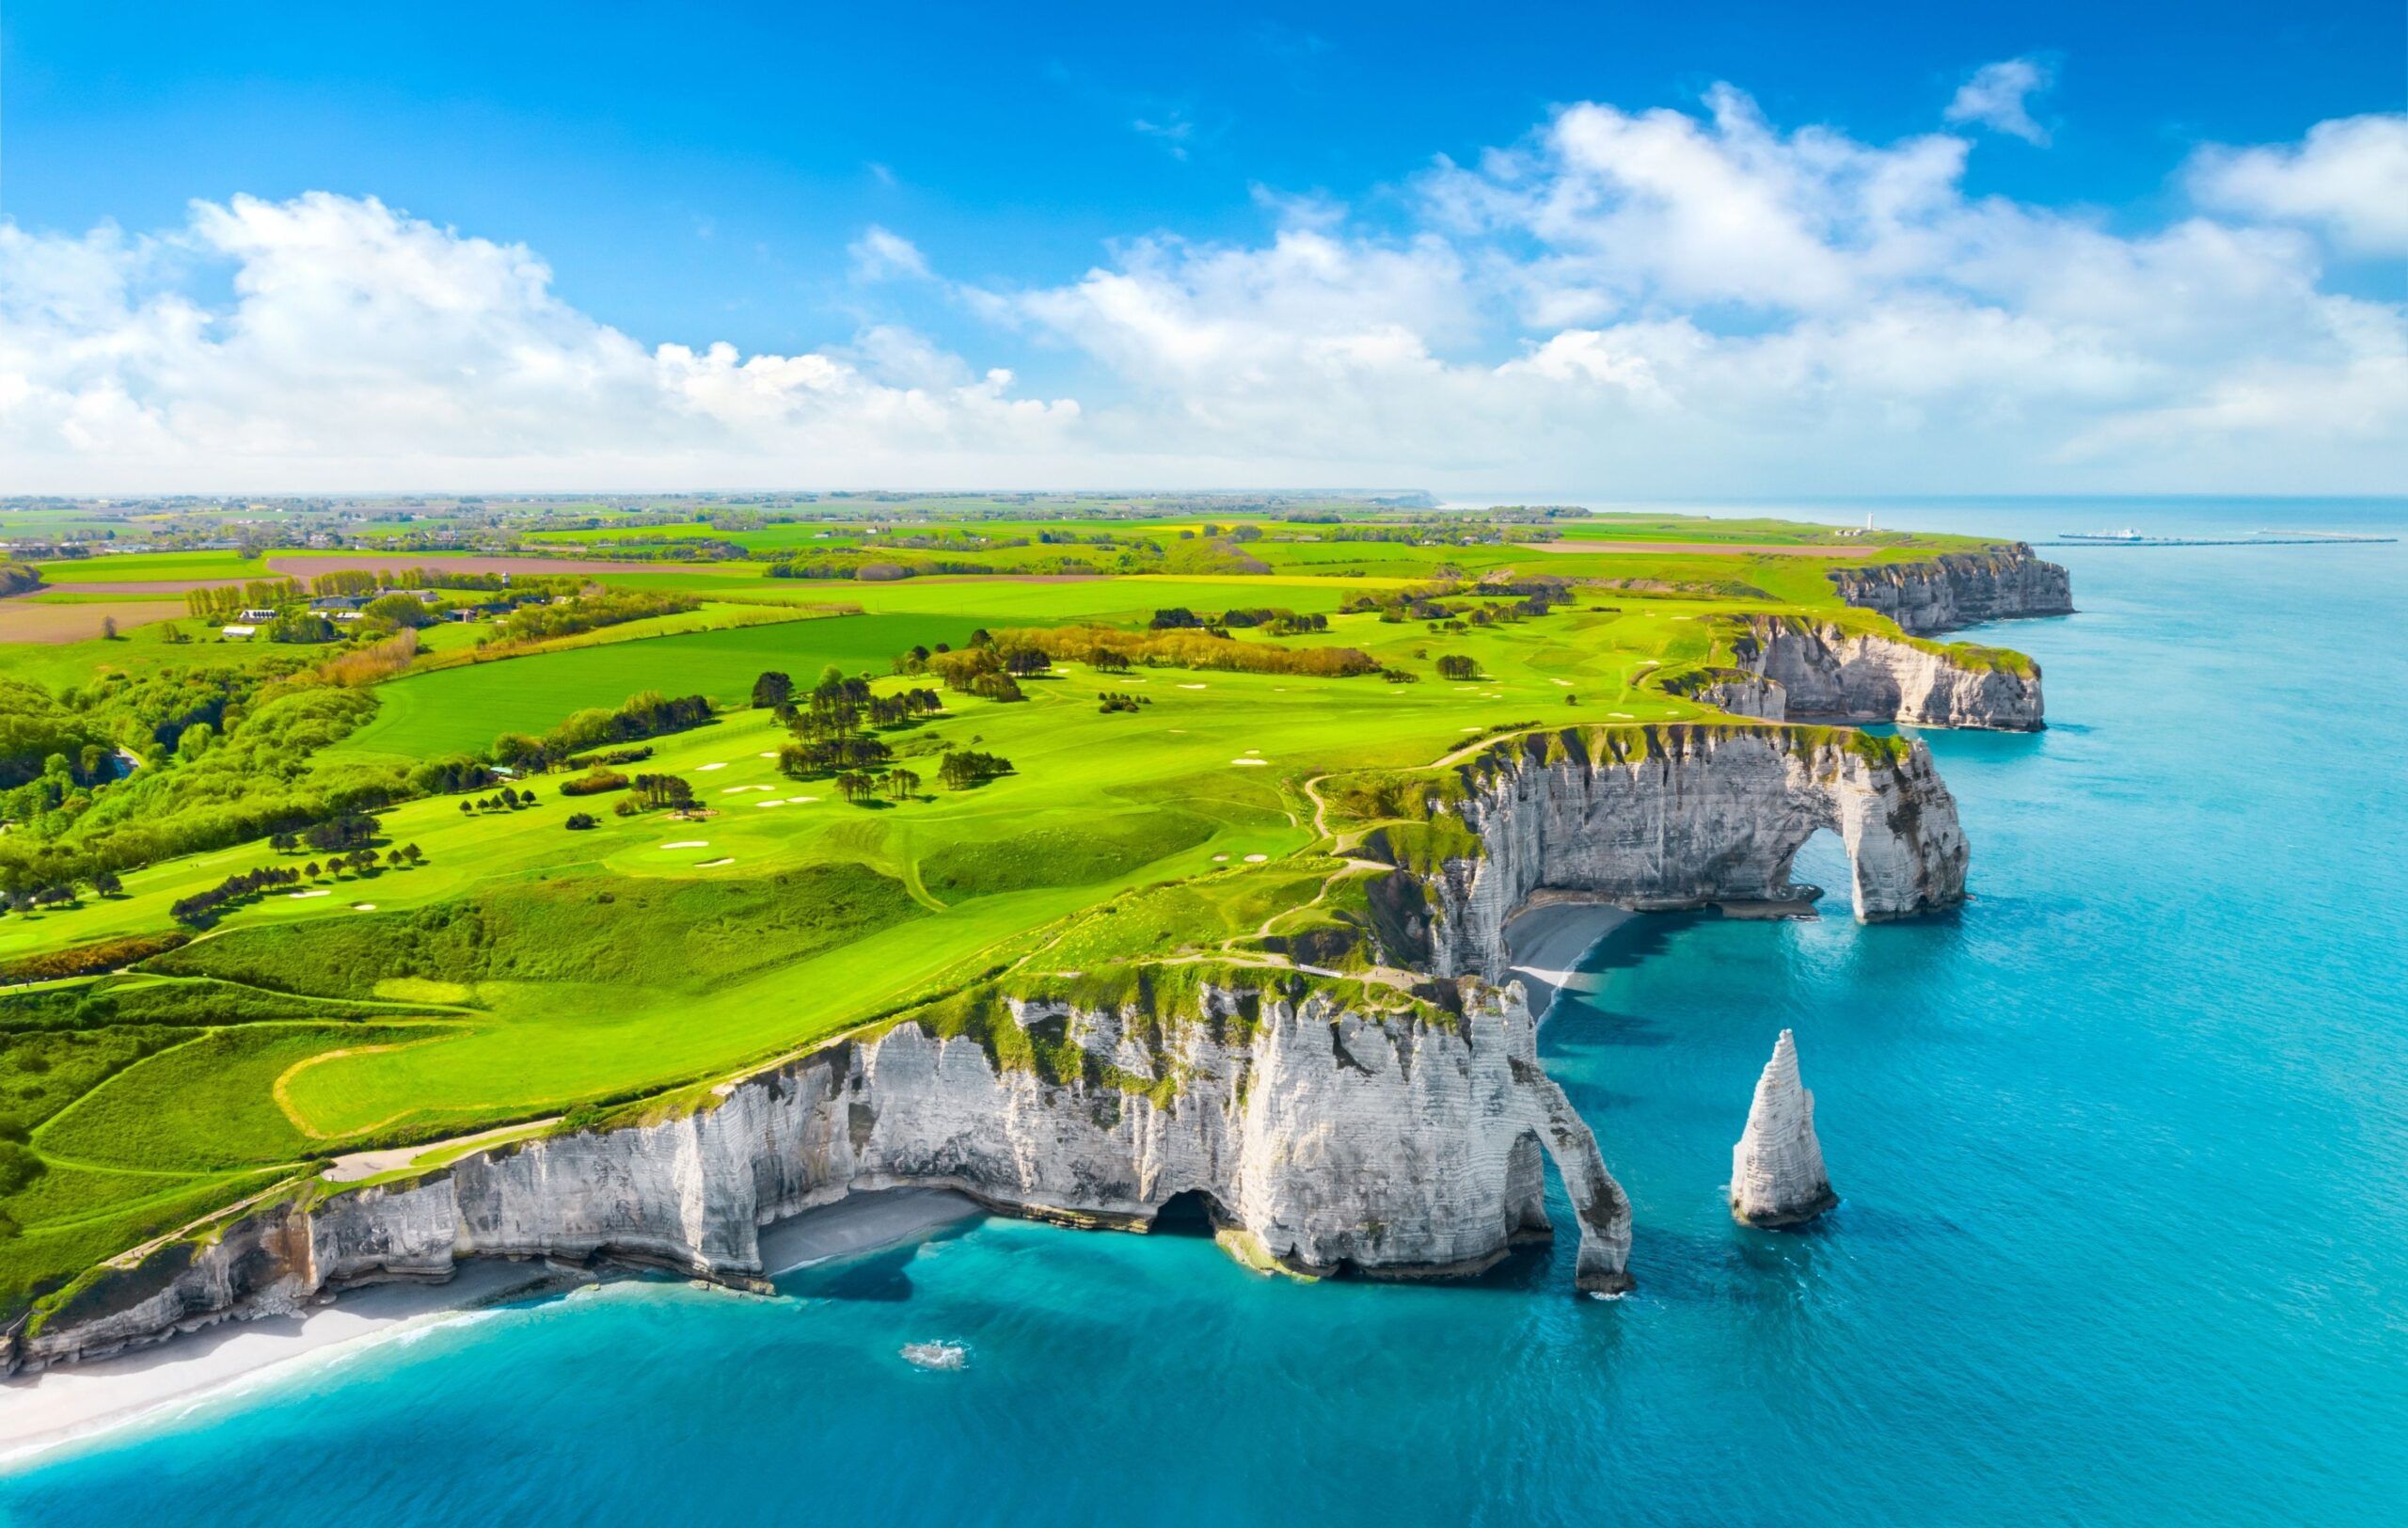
x,y
1547,938
43,1411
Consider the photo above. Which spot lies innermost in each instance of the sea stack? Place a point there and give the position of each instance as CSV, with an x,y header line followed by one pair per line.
x,y
1777,1176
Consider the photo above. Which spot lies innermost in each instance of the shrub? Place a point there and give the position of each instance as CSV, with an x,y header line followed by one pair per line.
x,y
593,783
578,821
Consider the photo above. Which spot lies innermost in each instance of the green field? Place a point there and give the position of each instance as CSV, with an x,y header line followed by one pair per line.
x,y
521,970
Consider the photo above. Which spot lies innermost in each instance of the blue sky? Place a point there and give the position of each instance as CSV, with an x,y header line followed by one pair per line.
x,y
710,175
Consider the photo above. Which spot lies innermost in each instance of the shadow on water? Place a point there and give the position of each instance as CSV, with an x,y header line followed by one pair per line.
x,y
879,1275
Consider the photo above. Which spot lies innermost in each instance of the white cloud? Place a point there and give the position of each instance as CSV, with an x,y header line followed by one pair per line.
x,y
879,254
2350,178
1638,303
1997,97
1174,131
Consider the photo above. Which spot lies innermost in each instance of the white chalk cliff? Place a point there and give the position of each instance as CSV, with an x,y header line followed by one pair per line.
x,y
1777,1176
1395,1144
1823,671
1672,817
1958,589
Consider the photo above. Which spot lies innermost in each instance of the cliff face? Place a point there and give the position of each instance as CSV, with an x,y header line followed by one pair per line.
x,y
1673,817
1820,670
1398,1145
1959,589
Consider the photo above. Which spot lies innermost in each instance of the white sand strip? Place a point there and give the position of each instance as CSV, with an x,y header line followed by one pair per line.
x,y
1546,942
38,1412
58,1406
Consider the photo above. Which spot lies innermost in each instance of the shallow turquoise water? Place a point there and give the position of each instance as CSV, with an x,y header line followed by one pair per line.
x,y
2124,1149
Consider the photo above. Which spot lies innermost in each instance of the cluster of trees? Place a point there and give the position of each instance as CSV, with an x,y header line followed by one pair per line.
x,y
609,755
1281,622
508,799
203,906
220,604
981,669
443,776
1458,667
579,822
830,755
1113,700
590,611
647,714
361,861
1115,650
859,785
347,830
674,791
963,768
829,722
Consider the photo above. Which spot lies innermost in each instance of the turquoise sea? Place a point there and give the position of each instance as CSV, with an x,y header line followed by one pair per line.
x,y
2123,1147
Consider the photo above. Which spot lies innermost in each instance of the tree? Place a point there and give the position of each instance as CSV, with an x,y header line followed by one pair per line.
x,y
106,882
772,690
315,870
109,629
579,822
1457,667
412,850
901,785
465,808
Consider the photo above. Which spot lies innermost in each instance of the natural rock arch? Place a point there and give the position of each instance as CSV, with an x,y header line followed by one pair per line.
x,y
1677,817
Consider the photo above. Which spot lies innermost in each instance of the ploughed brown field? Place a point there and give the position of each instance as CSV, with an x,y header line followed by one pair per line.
x,y
28,620
1707,548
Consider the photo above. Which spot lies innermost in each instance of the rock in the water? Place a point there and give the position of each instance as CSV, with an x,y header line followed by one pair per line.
x,y
1776,1177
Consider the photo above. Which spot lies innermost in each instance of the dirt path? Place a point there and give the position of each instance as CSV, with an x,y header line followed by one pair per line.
x,y
355,1166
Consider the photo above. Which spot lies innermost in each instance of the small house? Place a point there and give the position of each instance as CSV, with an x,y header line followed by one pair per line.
x,y
348,616
425,597
256,615
328,604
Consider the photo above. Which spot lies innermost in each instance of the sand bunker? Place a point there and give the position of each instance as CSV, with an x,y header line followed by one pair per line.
x,y
772,754
801,801
1220,859
705,769
320,892
689,843
773,801
730,790
713,865
1567,683
1191,687
1621,716
1256,859
1257,762
363,907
